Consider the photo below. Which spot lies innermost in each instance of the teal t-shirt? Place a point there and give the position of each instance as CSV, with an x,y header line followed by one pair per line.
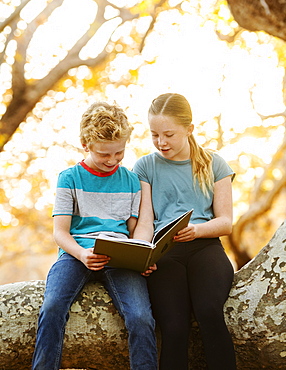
x,y
173,189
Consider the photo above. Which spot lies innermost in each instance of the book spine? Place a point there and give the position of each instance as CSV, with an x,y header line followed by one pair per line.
x,y
147,264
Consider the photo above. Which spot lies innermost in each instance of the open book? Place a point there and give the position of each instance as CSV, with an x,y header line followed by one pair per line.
x,y
139,254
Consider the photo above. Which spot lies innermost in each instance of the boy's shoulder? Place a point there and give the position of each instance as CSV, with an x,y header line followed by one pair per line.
x,y
127,172
70,170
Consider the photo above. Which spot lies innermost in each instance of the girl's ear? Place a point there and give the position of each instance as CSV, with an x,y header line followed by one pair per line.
x,y
190,129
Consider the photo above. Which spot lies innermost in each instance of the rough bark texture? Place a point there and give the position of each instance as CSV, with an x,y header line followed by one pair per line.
x,y
256,309
96,337
261,15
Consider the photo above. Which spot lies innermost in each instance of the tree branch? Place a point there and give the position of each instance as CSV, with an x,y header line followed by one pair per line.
x,y
14,16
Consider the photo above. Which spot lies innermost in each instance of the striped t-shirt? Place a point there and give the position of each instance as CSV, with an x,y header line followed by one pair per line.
x,y
98,202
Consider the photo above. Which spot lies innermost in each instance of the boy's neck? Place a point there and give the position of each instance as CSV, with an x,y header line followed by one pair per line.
x,y
85,165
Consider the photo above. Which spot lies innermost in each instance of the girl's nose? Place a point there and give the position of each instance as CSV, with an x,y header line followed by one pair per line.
x,y
161,141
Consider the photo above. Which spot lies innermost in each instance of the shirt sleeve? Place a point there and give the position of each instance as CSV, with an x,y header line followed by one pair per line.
x,y
220,168
140,169
64,200
136,197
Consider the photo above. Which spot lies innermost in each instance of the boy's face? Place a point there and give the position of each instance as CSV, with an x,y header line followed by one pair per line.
x,y
105,156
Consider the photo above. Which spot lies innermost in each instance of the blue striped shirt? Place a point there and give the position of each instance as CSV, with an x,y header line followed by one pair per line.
x,y
98,202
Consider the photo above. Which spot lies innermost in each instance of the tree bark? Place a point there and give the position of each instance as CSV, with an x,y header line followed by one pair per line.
x,y
261,15
255,310
96,337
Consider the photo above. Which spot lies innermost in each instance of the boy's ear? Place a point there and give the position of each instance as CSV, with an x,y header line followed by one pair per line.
x,y
85,147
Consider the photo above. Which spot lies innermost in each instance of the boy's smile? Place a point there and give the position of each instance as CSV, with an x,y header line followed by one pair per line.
x,y
105,156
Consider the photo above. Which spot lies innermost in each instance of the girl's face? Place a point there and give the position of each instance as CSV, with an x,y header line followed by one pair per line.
x,y
105,156
170,138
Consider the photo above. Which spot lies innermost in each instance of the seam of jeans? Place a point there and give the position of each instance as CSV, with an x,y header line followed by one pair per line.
x,y
121,306
59,354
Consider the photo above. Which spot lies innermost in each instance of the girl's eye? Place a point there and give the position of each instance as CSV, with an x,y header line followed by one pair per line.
x,y
170,135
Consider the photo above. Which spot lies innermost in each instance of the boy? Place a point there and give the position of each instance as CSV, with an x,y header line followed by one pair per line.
x,y
96,196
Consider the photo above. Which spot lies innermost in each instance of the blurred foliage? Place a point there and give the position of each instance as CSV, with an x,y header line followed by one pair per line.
x,y
46,141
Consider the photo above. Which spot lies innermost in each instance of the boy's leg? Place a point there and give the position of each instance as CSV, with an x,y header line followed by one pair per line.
x,y
128,289
65,280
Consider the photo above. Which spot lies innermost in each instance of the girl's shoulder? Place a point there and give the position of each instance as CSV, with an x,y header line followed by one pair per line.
x,y
221,168
216,157
145,160
147,157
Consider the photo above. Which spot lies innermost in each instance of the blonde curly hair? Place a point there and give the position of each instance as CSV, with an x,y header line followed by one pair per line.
x,y
104,122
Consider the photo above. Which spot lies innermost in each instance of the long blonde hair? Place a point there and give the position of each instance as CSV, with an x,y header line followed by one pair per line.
x,y
177,106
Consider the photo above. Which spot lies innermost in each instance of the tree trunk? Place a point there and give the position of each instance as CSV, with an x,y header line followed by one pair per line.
x,y
261,15
96,337
255,310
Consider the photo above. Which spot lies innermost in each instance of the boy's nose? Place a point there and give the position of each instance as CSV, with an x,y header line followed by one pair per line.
x,y
112,161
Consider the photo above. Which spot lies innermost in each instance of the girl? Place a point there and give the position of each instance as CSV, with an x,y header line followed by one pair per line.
x,y
196,274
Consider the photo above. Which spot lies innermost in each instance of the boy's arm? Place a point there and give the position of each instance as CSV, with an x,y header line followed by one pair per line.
x,y
65,241
144,229
131,224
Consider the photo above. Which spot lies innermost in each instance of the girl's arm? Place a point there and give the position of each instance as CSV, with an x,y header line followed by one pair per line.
x,y
144,229
65,241
221,224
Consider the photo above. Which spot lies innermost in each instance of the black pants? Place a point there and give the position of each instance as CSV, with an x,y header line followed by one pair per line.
x,y
193,275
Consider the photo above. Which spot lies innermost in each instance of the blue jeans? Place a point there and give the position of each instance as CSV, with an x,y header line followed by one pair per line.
x,y
128,290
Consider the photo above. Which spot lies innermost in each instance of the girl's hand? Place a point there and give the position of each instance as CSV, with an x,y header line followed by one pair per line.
x,y
93,261
150,270
187,234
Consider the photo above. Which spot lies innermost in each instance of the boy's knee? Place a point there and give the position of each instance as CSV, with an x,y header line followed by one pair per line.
x,y
140,319
53,308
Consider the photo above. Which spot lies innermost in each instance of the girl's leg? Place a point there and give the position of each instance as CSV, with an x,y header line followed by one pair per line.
x,y
128,290
210,276
65,280
170,300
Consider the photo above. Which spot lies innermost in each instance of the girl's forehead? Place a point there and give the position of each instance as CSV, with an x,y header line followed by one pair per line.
x,y
164,123
162,120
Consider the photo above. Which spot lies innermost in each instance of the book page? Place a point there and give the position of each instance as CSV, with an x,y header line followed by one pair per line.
x,y
169,226
129,241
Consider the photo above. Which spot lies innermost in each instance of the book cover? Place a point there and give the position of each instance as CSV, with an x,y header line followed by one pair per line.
x,y
139,254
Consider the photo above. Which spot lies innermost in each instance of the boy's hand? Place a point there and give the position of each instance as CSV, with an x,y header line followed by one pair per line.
x,y
150,270
93,261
